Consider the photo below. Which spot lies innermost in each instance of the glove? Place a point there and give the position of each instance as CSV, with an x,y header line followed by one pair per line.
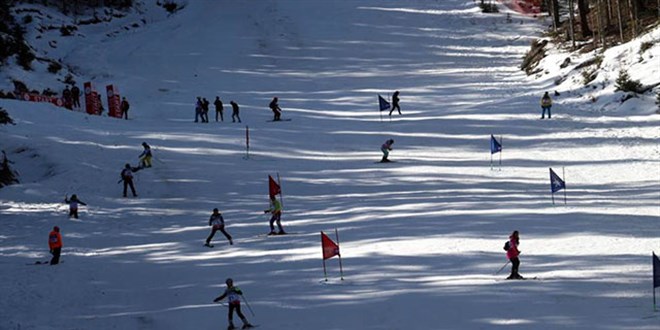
x,y
216,300
266,211
237,290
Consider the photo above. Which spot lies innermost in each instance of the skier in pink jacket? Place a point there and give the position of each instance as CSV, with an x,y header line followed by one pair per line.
x,y
512,253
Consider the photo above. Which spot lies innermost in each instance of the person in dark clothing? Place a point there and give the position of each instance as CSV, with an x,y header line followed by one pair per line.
x,y
145,156
233,295
75,96
512,253
123,107
205,110
546,104
55,245
395,103
73,205
275,107
127,177
234,113
218,223
218,109
66,95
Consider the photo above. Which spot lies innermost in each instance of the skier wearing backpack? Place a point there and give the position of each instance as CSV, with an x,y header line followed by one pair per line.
x,y
512,253
233,295
218,223
546,104
127,177
73,205
55,245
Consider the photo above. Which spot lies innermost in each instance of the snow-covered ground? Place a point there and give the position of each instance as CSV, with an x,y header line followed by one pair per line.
x,y
421,239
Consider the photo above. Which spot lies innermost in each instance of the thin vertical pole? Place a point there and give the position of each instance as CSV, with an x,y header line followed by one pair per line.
x,y
281,196
491,160
325,273
247,142
501,149
553,198
390,102
564,178
341,269
654,305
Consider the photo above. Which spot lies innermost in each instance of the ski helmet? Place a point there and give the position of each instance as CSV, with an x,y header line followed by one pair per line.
x,y
56,228
229,281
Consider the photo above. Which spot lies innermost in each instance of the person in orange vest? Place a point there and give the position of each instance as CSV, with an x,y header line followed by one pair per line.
x,y
55,245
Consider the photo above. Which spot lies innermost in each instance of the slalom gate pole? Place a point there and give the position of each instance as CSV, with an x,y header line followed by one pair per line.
x,y
508,261
491,161
563,173
341,269
553,198
502,148
325,273
248,305
247,142
281,195
654,305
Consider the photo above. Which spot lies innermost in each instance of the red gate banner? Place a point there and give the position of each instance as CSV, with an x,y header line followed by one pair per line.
x,y
43,98
113,101
92,105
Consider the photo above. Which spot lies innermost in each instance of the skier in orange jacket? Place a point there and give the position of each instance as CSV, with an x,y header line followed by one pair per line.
x,y
55,245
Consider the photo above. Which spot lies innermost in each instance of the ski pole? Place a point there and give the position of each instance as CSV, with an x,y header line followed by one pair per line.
x,y
248,305
508,261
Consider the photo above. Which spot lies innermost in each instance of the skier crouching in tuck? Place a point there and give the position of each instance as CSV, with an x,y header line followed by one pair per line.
x,y
275,107
512,253
218,223
386,148
233,295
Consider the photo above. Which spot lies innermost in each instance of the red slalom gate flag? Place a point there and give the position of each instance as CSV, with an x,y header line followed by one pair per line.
x,y
273,187
330,248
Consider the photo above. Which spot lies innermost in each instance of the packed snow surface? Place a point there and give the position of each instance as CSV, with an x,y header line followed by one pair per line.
x,y
421,238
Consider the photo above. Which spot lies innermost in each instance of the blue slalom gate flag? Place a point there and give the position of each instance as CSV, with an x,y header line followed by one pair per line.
x,y
495,146
556,183
656,271
384,105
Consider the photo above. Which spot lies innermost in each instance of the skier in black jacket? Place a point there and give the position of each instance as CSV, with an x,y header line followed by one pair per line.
x,y
233,295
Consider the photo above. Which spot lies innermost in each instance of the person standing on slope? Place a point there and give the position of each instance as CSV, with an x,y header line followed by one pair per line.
x,y
276,211
219,108
275,107
546,104
233,295
55,245
145,156
512,253
205,110
66,95
123,107
73,205
395,103
218,223
234,112
386,148
127,177
75,96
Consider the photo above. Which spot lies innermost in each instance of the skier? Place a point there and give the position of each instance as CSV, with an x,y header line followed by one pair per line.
x,y
512,253
55,245
145,156
127,177
66,95
73,205
277,111
385,148
205,110
100,103
276,210
198,109
395,103
218,109
546,104
218,223
234,113
75,94
233,295
123,107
